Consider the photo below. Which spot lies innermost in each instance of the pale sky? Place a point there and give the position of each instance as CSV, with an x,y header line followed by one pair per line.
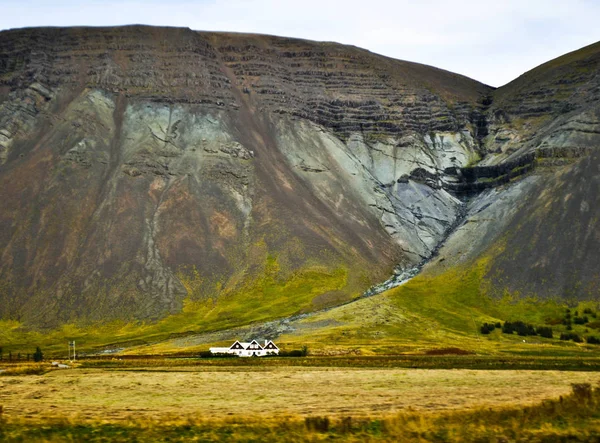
x,y
490,41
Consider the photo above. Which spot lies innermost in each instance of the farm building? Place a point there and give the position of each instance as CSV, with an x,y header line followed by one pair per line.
x,y
251,349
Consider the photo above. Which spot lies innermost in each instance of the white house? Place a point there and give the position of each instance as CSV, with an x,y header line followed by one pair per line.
x,y
252,349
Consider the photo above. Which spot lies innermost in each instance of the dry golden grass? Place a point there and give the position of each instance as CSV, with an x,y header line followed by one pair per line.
x,y
25,368
226,392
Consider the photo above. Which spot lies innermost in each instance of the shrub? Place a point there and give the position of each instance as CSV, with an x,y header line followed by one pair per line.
x,y
319,424
593,340
507,328
544,331
38,356
486,328
293,353
571,336
580,320
521,328
582,391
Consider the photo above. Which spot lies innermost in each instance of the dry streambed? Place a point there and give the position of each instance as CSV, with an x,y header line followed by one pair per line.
x,y
282,391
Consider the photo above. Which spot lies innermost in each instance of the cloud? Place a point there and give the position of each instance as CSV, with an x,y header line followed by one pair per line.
x,y
491,41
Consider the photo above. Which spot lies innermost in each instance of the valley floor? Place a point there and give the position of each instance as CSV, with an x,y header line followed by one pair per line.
x,y
132,400
277,391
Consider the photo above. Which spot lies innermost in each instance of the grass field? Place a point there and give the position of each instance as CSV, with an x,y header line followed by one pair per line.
x,y
285,403
218,392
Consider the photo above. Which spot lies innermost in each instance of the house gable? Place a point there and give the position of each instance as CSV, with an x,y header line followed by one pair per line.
x,y
271,346
236,346
254,346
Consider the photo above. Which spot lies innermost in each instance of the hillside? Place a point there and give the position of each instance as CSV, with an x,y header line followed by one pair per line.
x,y
144,166
552,106
202,181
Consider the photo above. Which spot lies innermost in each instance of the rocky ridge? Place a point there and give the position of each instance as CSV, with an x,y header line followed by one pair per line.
x,y
141,166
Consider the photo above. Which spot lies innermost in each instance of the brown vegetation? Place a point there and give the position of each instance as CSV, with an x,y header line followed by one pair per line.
x,y
237,391
572,417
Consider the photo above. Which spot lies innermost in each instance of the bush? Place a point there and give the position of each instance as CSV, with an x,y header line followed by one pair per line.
x,y
292,353
593,340
319,424
571,336
544,331
507,328
38,356
303,352
521,328
581,320
486,328
582,391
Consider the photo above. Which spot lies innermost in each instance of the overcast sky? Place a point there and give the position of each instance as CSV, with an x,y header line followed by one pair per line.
x,y
490,41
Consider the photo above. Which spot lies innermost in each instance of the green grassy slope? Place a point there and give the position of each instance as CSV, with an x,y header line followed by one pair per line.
x,y
266,297
442,311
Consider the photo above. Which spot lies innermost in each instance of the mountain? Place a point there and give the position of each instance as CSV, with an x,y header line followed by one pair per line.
x,y
233,178
540,234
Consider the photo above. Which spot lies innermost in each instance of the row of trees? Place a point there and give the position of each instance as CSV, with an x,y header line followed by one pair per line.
x,y
578,339
521,328
525,329
37,355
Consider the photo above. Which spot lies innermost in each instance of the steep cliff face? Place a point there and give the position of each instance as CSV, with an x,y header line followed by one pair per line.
x,y
539,235
140,166
554,107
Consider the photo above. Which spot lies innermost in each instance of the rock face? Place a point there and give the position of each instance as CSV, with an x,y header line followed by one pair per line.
x,y
134,159
539,234
140,166
552,106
